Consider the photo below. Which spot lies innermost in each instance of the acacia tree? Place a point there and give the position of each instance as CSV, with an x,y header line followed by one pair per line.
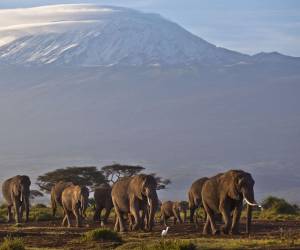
x,y
116,171
88,176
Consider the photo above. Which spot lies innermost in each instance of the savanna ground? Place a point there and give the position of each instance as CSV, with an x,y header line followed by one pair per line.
x,y
270,231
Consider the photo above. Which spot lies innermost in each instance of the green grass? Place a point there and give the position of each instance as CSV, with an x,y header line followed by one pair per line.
x,y
211,243
101,235
12,244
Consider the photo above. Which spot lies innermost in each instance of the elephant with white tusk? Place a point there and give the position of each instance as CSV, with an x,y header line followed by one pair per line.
x,y
16,192
131,195
225,193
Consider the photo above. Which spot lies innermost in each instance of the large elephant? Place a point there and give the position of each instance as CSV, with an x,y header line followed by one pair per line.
x,y
224,193
171,209
194,196
130,196
56,192
75,200
16,192
102,196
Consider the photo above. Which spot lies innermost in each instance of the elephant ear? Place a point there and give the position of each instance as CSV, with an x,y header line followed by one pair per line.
x,y
16,189
233,180
137,184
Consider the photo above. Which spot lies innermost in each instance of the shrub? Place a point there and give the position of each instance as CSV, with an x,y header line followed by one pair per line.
x,y
279,206
39,205
102,235
12,244
42,216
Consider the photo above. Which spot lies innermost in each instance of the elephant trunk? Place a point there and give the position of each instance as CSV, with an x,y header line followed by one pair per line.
x,y
249,199
249,219
25,201
153,203
83,206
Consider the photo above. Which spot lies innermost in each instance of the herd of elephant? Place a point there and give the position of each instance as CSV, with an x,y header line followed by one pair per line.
x,y
135,201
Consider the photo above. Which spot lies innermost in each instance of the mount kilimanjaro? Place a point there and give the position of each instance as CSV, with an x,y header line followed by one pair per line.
x,y
86,84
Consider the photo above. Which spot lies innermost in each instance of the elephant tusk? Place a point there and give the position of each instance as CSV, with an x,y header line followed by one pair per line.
x,y
252,204
148,201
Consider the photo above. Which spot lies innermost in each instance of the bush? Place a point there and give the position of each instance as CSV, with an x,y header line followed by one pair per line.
x,y
12,244
279,206
43,216
102,235
39,205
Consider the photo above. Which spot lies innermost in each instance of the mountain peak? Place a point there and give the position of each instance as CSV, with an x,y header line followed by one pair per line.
x,y
85,34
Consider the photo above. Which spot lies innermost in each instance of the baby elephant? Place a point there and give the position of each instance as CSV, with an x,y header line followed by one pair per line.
x,y
170,209
74,201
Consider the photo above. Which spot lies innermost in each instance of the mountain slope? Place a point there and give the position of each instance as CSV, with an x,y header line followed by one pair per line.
x,y
94,35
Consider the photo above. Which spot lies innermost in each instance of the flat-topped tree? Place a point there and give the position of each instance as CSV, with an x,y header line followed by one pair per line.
x,y
88,176
116,171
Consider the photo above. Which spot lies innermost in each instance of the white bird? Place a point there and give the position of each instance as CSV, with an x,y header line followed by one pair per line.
x,y
102,224
164,232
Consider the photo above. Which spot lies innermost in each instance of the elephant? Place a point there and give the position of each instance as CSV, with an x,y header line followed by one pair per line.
x,y
75,200
16,192
184,205
224,193
102,196
131,195
56,192
194,197
171,209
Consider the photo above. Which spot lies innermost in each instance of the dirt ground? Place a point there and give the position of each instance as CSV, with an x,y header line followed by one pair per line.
x,y
51,235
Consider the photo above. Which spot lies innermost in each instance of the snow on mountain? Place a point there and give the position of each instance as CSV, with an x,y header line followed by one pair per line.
x,y
84,34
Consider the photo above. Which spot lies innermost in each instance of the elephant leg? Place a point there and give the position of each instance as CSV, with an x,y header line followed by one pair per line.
x,y
174,220
17,211
9,213
117,224
64,220
119,219
78,216
236,220
226,218
135,212
177,216
210,218
144,224
97,214
106,215
206,228
192,212
165,219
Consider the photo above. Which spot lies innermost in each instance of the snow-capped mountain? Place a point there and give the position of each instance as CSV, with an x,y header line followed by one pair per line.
x,y
94,35
208,110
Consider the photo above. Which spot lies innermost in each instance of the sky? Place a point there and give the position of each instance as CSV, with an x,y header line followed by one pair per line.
x,y
246,26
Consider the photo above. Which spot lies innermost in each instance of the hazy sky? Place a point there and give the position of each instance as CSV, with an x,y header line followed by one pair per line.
x,y
245,26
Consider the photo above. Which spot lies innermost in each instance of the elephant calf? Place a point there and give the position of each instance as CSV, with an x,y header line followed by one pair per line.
x,y
74,201
103,200
170,209
16,192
